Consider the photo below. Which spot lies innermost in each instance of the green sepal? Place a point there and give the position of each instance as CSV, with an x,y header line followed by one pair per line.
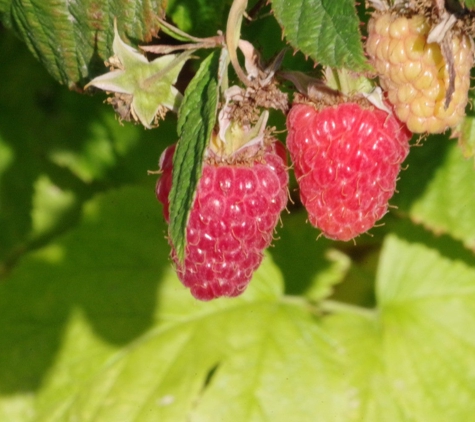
x,y
149,83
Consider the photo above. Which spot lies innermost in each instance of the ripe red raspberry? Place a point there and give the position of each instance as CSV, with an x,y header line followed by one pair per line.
x,y
234,214
346,159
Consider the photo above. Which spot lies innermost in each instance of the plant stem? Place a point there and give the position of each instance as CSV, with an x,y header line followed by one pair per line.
x,y
328,306
233,34
333,306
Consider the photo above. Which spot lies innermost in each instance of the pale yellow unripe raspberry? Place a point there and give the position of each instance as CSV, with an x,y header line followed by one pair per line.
x,y
415,74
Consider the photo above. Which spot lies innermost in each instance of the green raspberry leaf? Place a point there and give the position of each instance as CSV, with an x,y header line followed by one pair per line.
x,y
437,189
101,306
466,137
73,38
196,121
469,4
427,299
148,85
412,360
325,30
107,270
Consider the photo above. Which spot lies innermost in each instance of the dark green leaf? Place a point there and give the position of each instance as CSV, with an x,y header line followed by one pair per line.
x,y
325,30
58,148
324,266
197,117
4,6
199,17
469,4
73,38
5,17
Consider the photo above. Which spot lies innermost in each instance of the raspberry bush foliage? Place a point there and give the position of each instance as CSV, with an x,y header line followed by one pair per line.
x,y
375,325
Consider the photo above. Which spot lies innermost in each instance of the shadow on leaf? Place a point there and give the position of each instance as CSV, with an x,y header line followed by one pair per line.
x,y
108,267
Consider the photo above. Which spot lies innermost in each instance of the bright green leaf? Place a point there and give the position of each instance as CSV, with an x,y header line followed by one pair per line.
x,y
93,293
368,393
252,343
447,204
50,205
412,359
325,30
250,355
465,131
284,373
196,120
467,137
101,306
427,313
18,407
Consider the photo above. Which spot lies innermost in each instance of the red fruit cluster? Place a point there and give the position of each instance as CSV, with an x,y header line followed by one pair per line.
x,y
236,209
346,159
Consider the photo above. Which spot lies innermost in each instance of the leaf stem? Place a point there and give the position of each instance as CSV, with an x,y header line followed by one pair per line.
x,y
328,306
211,42
178,34
333,306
